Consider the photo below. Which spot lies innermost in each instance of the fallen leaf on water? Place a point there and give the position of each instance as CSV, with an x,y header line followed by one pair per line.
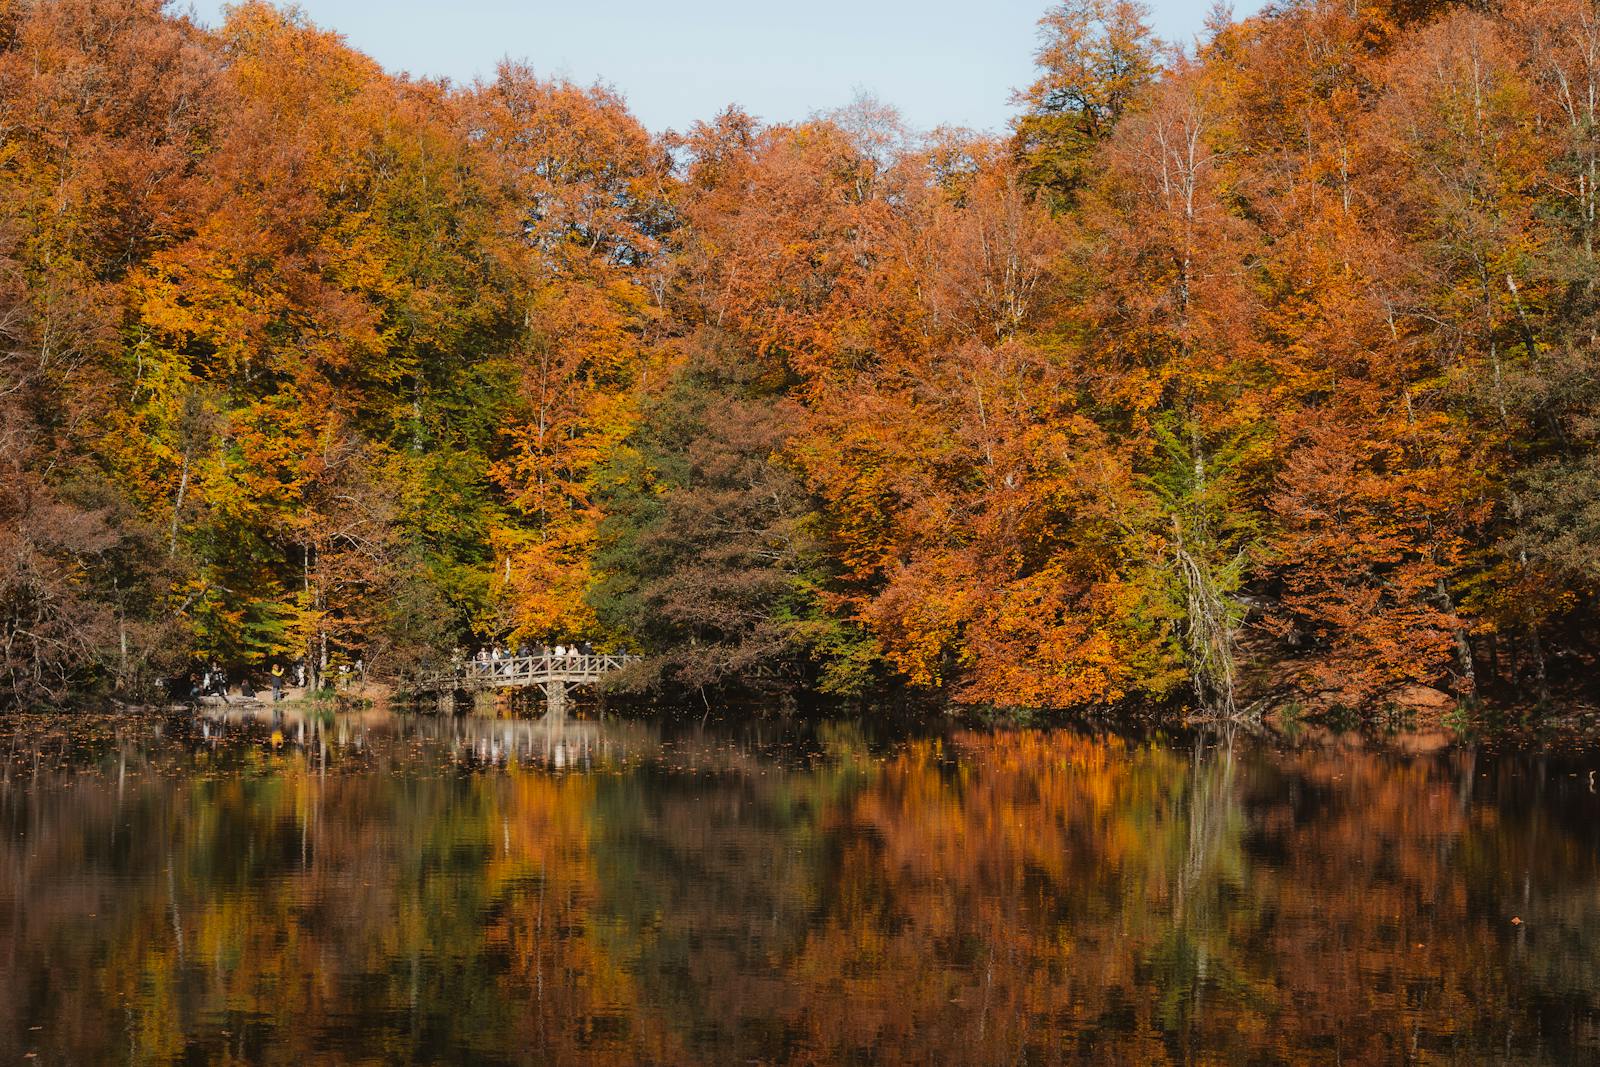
x,y
1516,920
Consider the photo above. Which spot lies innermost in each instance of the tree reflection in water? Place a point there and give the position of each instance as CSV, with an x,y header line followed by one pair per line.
x,y
375,889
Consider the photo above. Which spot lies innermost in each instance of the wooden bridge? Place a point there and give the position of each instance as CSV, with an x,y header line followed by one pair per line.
x,y
551,674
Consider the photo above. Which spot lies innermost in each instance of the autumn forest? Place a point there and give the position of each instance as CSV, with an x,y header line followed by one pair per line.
x,y
1268,366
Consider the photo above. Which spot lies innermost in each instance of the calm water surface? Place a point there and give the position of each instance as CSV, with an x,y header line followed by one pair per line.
x,y
387,890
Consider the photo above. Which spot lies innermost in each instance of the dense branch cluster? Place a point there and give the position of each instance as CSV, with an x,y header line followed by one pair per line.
x,y
1274,365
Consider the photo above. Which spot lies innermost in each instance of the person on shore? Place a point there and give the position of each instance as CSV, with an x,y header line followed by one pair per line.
x,y
277,682
208,686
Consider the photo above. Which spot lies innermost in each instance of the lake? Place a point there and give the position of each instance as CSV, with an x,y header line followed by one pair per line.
x,y
373,888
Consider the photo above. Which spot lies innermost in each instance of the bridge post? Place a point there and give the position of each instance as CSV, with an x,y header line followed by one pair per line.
x,y
447,702
555,699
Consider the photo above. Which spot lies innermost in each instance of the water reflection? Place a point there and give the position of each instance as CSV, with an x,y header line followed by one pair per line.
x,y
369,889
556,744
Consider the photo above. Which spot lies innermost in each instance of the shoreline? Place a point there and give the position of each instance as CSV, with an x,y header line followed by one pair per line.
x,y
1493,726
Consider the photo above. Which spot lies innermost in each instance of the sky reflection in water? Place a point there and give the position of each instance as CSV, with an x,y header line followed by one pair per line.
x,y
381,890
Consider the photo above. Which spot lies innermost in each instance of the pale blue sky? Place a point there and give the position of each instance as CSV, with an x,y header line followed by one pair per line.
x,y
941,62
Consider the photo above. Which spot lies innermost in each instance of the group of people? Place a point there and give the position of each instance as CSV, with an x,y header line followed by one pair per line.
x,y
214,680
497,653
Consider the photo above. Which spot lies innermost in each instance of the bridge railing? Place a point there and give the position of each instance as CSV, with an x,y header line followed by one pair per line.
x,y
519,668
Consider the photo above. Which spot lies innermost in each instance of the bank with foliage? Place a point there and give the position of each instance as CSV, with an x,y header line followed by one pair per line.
x,y
1268,365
